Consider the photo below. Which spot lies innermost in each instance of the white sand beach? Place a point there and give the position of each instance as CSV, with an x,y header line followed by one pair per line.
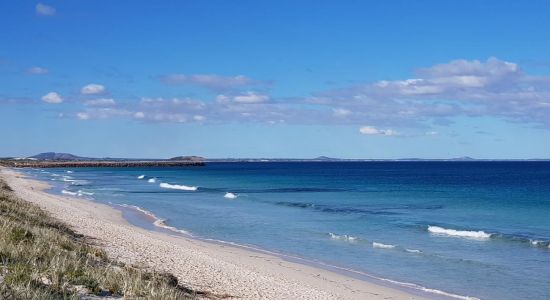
x,y
216,268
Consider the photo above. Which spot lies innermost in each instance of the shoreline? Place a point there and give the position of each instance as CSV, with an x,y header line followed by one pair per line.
x,y
218,267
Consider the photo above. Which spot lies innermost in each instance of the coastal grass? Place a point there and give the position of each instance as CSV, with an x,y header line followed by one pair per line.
x,y
42,258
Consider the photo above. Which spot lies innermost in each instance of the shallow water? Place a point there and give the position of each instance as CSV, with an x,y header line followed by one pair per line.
x,y
479,229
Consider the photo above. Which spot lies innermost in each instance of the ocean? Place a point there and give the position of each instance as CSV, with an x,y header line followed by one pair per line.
x,y
466,229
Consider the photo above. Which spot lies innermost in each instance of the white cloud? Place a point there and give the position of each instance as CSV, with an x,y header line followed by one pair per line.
x,y
44,10
199,118
52,97
245,98
370,130
83,116
410,106
100,102
341,112
209,81
92,89
37,71
493,88
103,113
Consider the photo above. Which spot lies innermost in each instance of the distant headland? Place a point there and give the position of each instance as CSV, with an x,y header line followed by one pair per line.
x,y
67,160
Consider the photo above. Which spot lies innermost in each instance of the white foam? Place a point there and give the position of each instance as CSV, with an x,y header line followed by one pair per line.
x,y
539,243
345,237
476,235
152,180
382,246
70,172
141,176
69,193
413,251
68,179
230,196
81,192
158,222
178,187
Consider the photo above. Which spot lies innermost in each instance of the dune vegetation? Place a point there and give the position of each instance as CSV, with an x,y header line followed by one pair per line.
x,y
42,258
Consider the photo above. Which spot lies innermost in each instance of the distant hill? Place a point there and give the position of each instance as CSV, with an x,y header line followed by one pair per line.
x,y
188,158
463,158
57,156
325,158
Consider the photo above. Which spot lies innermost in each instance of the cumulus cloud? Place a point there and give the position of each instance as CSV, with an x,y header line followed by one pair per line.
x,y
495,88
371,130
92,89
434,96
209,81
44,10
83,116
100,102
341,112
52,97
103,113
37,71
244,98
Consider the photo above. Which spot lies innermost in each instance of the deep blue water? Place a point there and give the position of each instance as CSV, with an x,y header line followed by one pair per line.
x,y
372,217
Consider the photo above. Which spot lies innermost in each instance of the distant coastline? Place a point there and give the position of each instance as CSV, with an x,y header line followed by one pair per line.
x,y
67,160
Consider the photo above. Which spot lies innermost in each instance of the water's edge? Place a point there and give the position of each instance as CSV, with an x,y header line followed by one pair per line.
x,y
160,225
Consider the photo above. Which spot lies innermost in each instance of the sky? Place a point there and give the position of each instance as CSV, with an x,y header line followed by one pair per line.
x,y
280,79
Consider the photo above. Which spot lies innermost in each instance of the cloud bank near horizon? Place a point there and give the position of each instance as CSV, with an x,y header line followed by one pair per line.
x,y
434,96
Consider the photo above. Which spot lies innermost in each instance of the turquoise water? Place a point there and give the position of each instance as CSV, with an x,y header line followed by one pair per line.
x,y
479,229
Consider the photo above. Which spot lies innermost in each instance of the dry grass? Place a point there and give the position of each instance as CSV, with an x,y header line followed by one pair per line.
x,y
41,258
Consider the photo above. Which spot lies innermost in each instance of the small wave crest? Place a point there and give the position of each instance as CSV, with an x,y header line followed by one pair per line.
x,y
152,180
158,222
69,172
141,177
69,193
344,237
540,243
476,235
178,187
382,246
229,195
81,192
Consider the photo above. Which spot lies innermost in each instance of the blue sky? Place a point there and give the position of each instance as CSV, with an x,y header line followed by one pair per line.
x,y
350,79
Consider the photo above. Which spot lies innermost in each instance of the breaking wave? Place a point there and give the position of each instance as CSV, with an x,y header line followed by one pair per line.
x,y
540,243
69,193
178,187
476,235
382,246
158,222
141,177
81,192
344,237
230,196
152,180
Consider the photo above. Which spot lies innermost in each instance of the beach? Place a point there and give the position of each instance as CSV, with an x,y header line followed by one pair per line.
x,y
219,269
